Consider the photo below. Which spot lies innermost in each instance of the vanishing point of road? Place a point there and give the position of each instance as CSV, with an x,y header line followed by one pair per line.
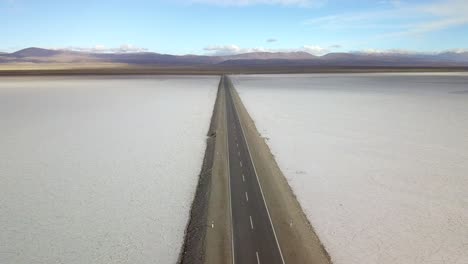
x,y
253,235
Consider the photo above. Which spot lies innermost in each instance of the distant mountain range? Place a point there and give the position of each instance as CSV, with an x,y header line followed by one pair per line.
x,y
254,59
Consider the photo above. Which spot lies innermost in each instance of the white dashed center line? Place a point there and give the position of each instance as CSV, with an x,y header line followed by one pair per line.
x,y
246,196
258,258
240,162
243,178
251,222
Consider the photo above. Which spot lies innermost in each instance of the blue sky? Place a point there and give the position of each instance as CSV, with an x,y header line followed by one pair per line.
x,y
235,26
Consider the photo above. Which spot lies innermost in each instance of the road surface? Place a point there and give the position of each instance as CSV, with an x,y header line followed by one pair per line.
x,y
253,235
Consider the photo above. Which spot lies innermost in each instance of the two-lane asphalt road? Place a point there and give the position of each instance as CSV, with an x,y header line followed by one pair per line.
x,y
254,239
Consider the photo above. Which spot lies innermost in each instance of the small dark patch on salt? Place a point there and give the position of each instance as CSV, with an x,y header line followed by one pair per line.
x,y
459,92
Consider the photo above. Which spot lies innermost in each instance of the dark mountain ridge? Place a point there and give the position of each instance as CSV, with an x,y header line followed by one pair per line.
x,y
272,59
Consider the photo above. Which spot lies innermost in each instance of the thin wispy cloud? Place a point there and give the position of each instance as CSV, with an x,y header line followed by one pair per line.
x,y
299,3
271,40
8,5
391,2
399,19
8,2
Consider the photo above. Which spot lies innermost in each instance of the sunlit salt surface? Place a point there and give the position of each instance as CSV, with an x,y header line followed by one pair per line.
x,y
379,162
99,170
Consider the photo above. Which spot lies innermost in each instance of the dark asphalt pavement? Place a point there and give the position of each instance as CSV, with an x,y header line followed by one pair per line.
x,y
254,238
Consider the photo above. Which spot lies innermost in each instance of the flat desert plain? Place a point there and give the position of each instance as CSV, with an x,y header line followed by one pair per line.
x,y
97,169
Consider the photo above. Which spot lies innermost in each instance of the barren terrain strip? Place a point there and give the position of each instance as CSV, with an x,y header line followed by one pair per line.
x,y
208,233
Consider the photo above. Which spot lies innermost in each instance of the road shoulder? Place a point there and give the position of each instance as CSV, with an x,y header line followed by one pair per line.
x,y
298,241
208,233
218,238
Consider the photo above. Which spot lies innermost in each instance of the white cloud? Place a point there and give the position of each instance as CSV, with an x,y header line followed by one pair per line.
x,y
407,52
220,50
231,49
130,48
315,50
457,50
270,40
387,51
300,3
223,50
124,48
